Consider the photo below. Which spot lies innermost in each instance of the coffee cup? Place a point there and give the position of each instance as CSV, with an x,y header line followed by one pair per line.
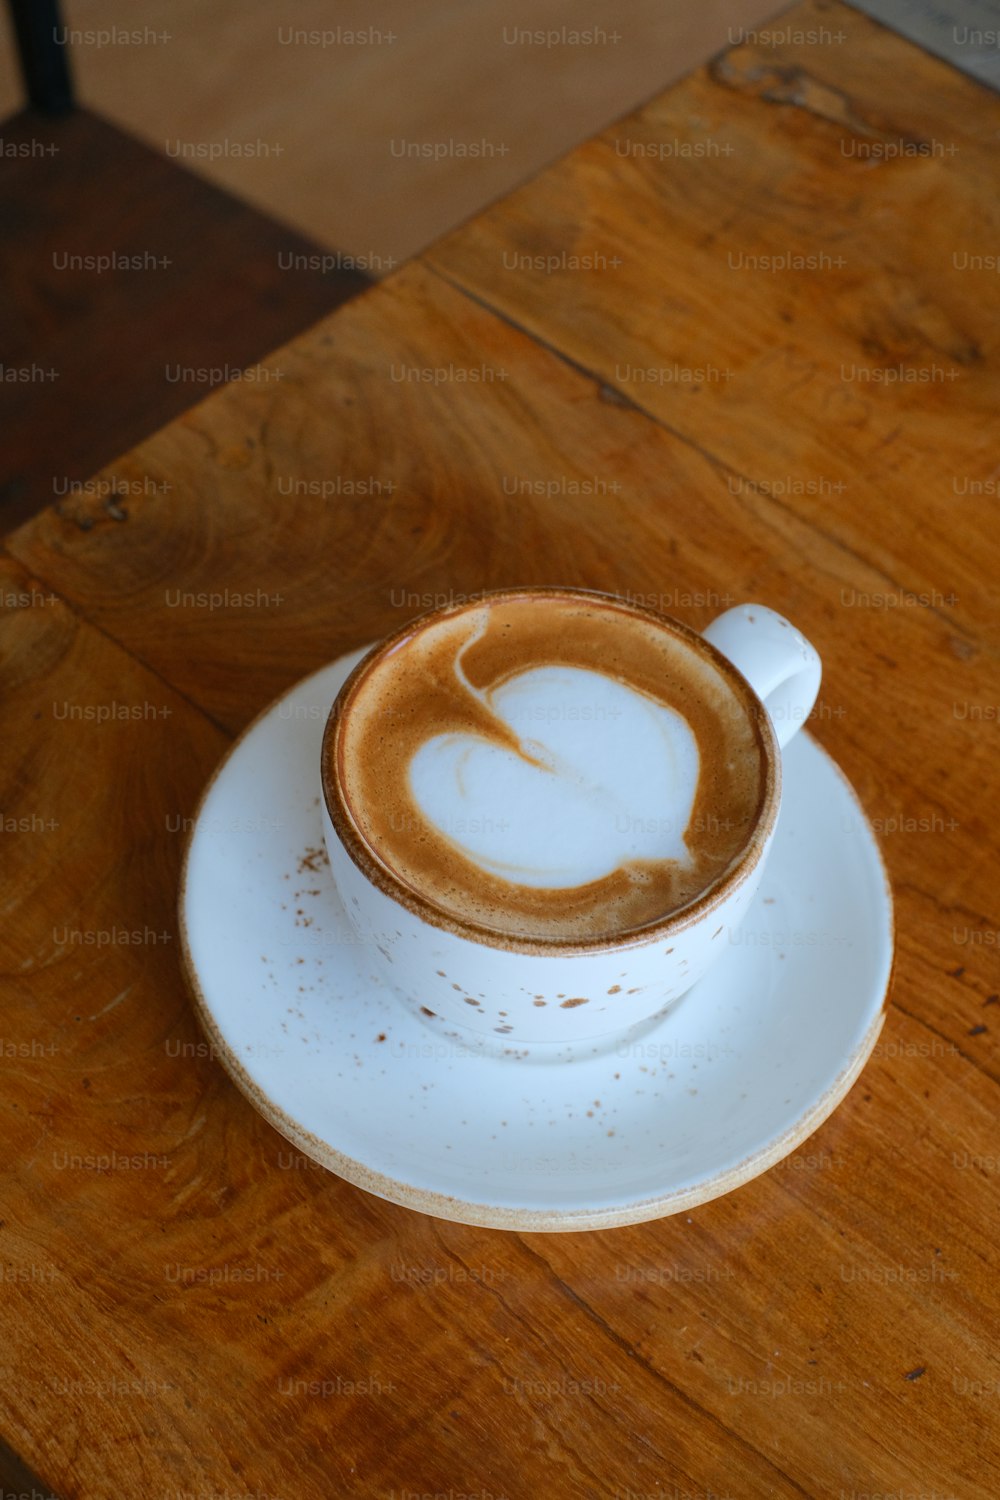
x,y
546,809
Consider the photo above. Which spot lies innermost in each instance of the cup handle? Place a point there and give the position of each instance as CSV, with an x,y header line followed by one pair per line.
x,y
778,662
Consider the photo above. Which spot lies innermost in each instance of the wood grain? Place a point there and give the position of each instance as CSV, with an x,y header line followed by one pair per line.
x,y
343,568
859,388
826,1330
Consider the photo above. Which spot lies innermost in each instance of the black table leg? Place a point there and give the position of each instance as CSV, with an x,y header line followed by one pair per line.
x,y
37,26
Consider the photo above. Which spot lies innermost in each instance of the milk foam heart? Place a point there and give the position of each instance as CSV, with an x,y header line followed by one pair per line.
x,y
605,776
550,765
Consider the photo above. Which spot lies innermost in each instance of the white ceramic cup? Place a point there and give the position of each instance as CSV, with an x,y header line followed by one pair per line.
x,y
531,997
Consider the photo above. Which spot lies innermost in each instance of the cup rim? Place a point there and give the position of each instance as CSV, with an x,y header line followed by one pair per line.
x,y
384,878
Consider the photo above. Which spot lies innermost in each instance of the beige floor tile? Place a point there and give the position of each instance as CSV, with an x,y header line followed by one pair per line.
x,y
378,146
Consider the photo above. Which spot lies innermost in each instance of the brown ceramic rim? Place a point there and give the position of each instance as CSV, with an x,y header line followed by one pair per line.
x,y
384,879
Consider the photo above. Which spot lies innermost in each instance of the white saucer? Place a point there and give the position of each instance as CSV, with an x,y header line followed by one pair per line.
x,y
731,1080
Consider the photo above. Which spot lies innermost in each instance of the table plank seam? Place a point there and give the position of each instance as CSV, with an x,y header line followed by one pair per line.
x,y
632,1353
978,1066
7,551
620,398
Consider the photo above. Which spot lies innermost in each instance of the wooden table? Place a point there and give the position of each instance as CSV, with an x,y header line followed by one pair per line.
x,y
828,1330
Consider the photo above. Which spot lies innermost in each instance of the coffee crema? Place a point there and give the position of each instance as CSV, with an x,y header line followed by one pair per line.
x,y
549,764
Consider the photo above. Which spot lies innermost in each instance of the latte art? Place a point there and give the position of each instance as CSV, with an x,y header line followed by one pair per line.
x,y
569,806
567,772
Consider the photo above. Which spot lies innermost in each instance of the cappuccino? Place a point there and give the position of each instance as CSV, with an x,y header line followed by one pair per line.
x,y
549,764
